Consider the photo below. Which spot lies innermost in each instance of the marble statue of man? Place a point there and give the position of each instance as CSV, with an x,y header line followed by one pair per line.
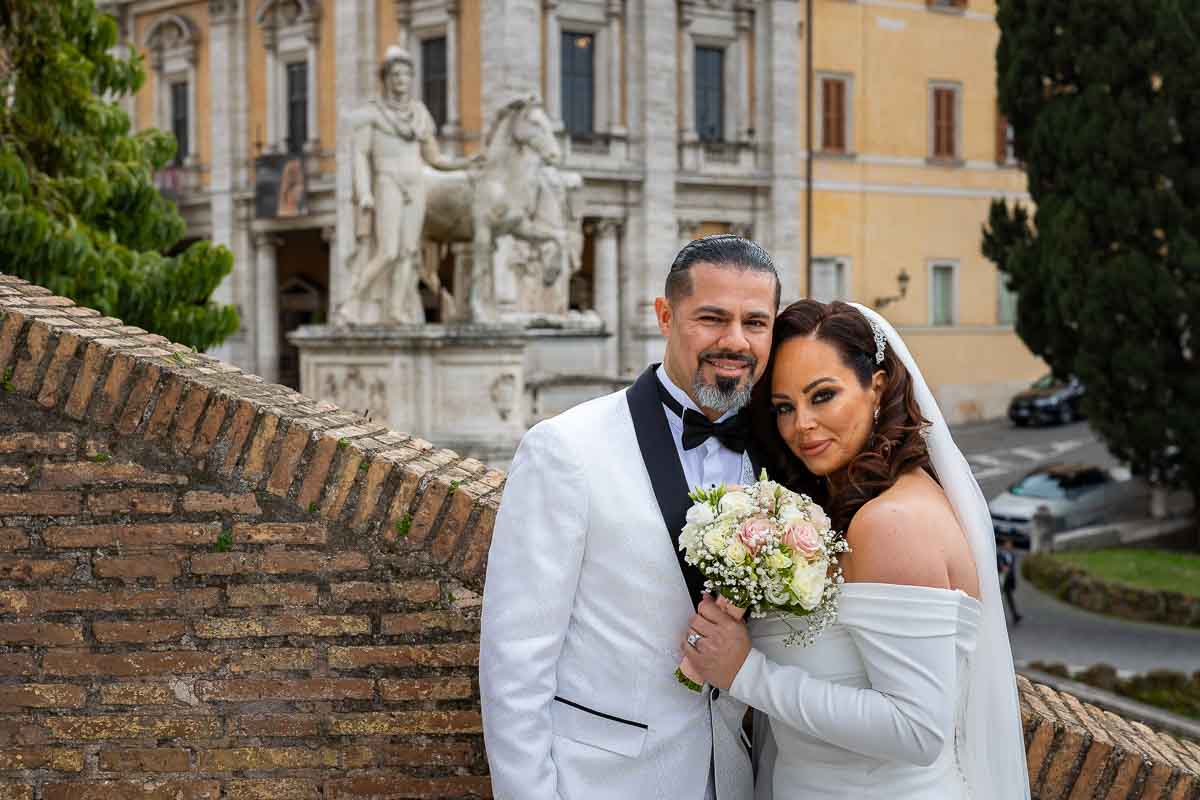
x,y
394,139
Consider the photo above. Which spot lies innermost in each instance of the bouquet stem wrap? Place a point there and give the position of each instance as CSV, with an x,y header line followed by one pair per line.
x,y
686,673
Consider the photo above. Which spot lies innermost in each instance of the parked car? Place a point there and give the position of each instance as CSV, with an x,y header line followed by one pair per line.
x,y
1076,494
1048,400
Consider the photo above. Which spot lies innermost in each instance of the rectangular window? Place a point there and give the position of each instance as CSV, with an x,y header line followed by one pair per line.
x,y
942,299
179,120
944,121
579,83
1006,309
710,94
947,4
829,279
297,106
433,78
834,116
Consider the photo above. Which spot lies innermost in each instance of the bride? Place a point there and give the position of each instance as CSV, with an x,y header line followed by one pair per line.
x,y
911,694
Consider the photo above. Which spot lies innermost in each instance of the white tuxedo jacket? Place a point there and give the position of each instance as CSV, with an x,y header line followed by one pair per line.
x,y
584,608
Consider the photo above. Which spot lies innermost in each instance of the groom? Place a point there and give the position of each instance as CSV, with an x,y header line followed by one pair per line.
x,y
587,595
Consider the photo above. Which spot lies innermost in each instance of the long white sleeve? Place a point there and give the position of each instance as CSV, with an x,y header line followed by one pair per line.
x,y
532,575
907,713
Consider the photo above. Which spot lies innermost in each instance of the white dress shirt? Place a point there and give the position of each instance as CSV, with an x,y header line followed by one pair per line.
x,y
710,463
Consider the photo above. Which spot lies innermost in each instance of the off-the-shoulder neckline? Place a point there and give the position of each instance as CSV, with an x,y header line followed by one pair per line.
x,y
911,587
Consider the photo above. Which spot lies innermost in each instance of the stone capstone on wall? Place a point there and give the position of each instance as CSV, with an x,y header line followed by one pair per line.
x,y
216,588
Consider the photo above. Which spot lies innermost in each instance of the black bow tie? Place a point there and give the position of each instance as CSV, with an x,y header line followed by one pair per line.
x,y
697,428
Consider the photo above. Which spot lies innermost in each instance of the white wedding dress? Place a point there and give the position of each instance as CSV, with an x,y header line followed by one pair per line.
x,y
871,709
911,693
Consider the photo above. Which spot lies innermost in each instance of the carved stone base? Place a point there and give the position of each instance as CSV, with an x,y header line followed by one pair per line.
x,y
459,386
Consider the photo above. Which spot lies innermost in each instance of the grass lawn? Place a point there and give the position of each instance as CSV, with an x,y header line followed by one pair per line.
x,y
1160,570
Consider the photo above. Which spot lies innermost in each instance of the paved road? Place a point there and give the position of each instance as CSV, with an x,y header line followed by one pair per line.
x,y
1050,630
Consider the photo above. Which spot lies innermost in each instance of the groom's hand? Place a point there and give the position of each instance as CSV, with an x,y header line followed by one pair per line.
x,y
723,646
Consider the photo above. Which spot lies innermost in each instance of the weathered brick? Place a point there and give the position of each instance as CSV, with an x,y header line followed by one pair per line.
x,y
159,759
478,539
453,531
41,503
140,396
50,444
385,787
131,501
85,381
255,462
188,417
234,439
271,594
244,691
316,472
161,568
415,591
283,659
438,492
145,535
16,601
59,759
217,502
13,539
290,561
1038,749
314,625
272,789
42,695
37,340
35,570
430,655
130,726
10,331
143,631
368,495
134,790
402,723
13,476
165,409
130,665
281,725
441,754
290,453
17,664
210,426
40,633
266,758
136,694
58,369
109,400
339,489
86,473
400,690
280,532
420,622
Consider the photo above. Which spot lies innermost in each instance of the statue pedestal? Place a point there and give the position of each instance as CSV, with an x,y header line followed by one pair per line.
x,y
459,386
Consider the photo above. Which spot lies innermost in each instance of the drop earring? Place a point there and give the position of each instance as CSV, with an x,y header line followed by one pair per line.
x,y
877,413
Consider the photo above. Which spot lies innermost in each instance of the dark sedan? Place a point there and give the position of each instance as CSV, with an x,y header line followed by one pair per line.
x,y
1047,401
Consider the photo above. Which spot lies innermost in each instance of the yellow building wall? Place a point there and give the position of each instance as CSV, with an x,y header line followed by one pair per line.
x,y
256,85
470,95
327,110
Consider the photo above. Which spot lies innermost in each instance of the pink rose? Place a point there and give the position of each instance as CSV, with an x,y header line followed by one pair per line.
x,y
754,533
802,538
818,516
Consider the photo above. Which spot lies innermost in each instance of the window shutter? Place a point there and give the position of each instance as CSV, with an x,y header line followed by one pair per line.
x,y
433,78
833,131
944,124
1001,138
578,83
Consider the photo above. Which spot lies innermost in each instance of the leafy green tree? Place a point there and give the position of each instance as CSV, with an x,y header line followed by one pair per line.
x,y
1104,99
79,211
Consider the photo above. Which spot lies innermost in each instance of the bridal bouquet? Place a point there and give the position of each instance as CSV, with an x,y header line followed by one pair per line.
x,y
764,549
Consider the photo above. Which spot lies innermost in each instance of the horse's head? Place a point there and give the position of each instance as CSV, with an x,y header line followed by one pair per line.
x,y
527,125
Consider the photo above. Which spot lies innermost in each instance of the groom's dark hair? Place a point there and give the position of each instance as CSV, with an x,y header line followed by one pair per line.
x,y
720,250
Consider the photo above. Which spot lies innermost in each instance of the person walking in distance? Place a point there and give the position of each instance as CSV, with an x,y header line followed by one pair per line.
x,y
1006,564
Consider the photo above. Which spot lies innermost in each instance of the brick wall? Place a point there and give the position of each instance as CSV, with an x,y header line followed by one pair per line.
x,y
212,588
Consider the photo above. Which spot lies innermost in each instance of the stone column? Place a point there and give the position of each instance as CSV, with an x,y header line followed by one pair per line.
x,y
404,25
687,73
356,82
313,145
266,316
606,296
452,130
743,125
553,98
510,62
613,39
786,239
275,126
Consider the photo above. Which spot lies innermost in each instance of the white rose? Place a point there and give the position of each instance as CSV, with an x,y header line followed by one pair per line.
x,y
777,595
689,537
736,552
778,561
700,514
818,517
790,513
736,503
714,540
808,582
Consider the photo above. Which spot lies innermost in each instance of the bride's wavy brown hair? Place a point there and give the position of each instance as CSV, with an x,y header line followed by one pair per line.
x,y
894,447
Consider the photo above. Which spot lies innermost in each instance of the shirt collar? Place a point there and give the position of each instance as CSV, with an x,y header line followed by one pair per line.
x,y
680,395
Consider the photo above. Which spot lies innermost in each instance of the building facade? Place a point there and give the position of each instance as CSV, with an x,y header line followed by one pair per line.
x,y
871,125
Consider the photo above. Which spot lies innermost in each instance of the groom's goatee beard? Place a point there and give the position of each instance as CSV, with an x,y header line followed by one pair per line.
x,y
724,394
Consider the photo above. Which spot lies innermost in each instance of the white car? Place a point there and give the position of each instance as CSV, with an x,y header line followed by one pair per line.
x,y
1076,494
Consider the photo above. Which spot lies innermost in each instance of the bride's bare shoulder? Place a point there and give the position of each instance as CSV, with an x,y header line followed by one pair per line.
x,y
892,537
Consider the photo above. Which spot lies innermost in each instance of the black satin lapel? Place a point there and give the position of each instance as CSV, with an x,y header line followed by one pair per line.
x,y
662,463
